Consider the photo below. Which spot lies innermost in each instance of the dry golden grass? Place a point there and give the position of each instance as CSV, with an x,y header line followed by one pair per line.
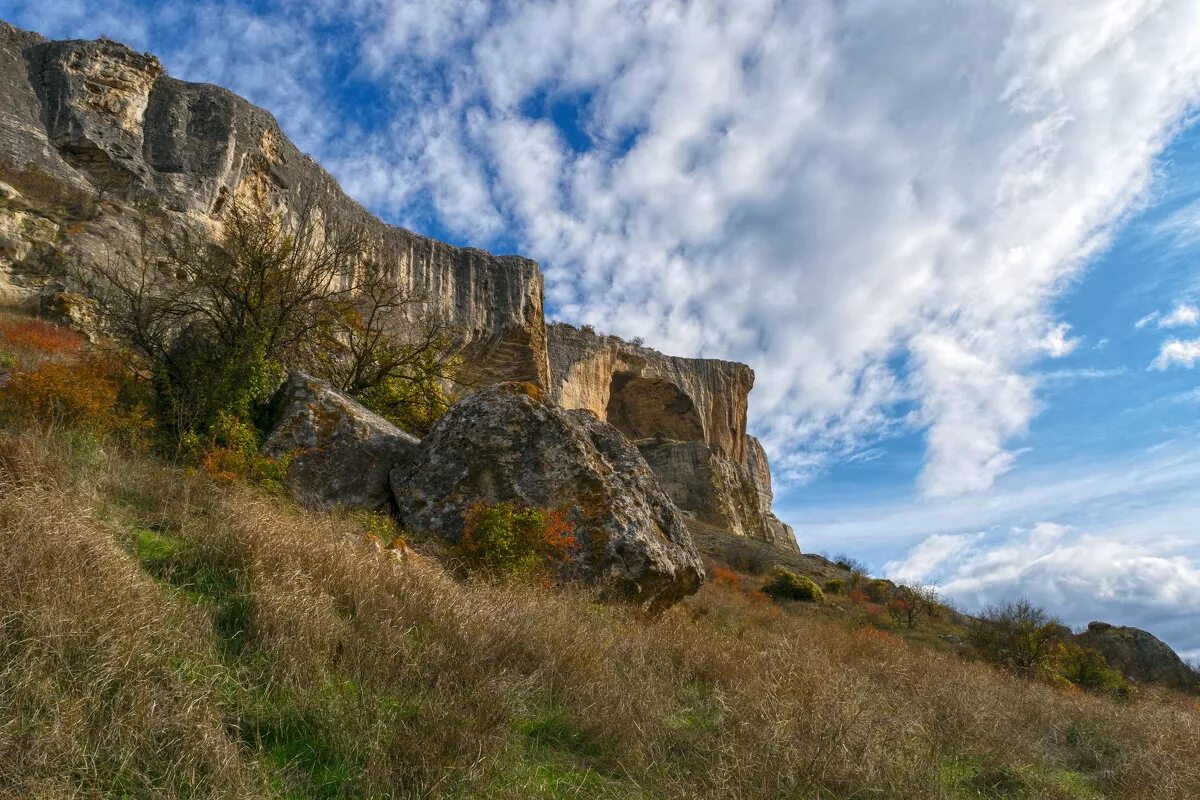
x,y
165,636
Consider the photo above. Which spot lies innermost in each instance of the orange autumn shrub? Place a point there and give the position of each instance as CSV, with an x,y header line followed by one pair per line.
x,y
722,576
24,343
87,395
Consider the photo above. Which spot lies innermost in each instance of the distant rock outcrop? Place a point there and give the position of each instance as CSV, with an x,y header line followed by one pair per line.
x,y
686,415
1141,656
341,454
504,444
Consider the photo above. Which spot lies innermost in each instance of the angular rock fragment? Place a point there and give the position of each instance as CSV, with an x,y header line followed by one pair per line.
x,y
342,453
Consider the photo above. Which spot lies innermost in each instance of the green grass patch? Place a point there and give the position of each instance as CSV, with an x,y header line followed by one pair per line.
x,y
969,778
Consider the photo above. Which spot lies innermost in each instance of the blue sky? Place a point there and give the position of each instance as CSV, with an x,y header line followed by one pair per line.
x,y
957,242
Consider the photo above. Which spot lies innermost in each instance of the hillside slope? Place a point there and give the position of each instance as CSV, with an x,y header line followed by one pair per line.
x,y
162,634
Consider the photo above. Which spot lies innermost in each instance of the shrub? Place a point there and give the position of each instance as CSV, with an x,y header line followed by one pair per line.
x,y
849,563
1018,635
88,395
380,526
27,342
1088,669
909,604
230,452
747,558
787,585
835,586
508,538
880,591
723,576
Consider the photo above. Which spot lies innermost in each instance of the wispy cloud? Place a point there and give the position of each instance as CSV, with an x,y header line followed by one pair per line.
x,y
1182,227
1111,540
1078,575
1176,352
1181,316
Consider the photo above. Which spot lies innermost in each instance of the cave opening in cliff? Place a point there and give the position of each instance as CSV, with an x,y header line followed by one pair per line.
x,y
642,408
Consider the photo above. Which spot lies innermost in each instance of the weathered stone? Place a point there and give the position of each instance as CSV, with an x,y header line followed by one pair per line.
x,y
646,394
1138,654
688,416
504,444
342,454
93,135
777,531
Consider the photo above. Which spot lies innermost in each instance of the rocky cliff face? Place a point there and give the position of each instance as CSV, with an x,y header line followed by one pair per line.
x,y
95,140
686,415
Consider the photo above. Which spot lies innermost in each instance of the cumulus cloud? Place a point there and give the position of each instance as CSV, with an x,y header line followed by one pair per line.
x,y
873,203
1176,352
1072,573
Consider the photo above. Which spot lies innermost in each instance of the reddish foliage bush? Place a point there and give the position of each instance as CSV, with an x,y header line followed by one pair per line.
x,y
726,577
508,538
83,395
31,341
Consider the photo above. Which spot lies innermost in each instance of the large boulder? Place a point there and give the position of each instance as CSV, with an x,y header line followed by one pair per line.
x,y
504,444
342,453
1140,655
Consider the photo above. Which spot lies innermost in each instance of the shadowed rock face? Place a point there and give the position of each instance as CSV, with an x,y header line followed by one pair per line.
x,y
342,454
95,140
1140,655
688,418
504,444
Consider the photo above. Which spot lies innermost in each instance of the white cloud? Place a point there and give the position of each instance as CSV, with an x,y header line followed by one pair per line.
x,y
1182,316
1121,547
1181,352
1076,575
1181,227
1057,344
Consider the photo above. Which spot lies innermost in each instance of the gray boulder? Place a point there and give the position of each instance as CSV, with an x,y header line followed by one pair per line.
x,y
1140,655
342,453
504,444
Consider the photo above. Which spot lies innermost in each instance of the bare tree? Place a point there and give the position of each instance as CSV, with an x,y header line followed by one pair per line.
x,y
1017,634
218,320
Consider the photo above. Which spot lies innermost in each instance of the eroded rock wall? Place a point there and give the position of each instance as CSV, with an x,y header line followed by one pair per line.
x,y
95,140
686,415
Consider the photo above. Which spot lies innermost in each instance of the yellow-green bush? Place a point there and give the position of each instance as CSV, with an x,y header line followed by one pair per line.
x,y
1088,669
787,585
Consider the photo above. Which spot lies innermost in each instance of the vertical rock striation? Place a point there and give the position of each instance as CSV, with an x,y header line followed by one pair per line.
x,y
95,141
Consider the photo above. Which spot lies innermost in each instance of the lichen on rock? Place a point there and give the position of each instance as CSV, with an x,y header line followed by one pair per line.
x,y
504,444
341,453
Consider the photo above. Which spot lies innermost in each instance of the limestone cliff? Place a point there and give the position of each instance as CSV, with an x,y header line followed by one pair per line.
x,y
97,142
95,139
686,415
